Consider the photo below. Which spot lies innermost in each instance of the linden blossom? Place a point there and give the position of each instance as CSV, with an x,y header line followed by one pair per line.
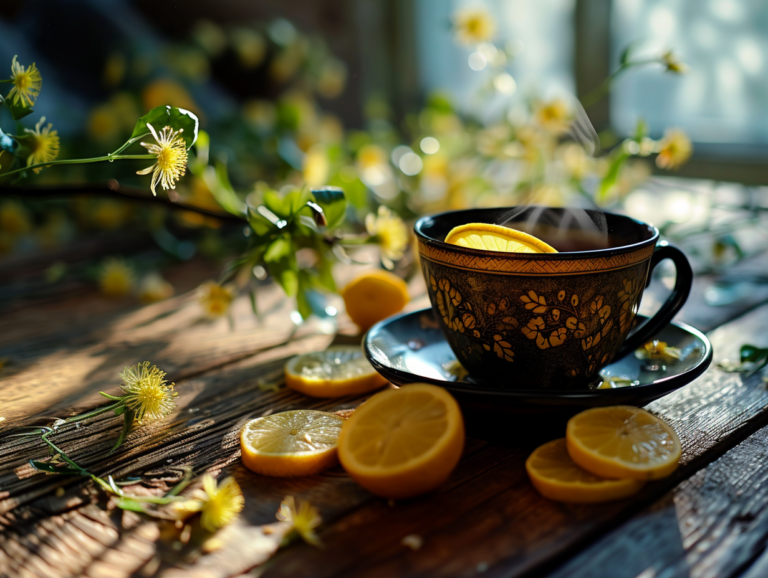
x,y
171,153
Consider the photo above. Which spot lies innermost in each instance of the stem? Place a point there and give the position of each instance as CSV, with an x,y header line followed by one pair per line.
x,y
94,413
82,471
597,94
110,158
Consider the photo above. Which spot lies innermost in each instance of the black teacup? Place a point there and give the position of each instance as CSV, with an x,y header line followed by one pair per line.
x,y
547,320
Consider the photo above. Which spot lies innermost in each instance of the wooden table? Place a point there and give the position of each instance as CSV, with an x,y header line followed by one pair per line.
x,y
710,518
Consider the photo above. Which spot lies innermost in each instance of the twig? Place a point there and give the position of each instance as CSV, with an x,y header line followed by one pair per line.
x,y
110,189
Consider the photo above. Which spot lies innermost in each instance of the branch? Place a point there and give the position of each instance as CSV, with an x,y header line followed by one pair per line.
x,y
110,189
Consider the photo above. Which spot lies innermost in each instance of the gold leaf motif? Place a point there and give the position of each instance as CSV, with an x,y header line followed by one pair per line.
x,y
491,308
557,337
561,295
575,300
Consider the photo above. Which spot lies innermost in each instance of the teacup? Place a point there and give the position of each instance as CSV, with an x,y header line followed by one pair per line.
x,y
546,320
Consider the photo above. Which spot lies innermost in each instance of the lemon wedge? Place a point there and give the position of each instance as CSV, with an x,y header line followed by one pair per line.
x,y
496,238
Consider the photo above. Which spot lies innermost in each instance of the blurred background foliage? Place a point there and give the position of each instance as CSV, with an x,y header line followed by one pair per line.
x,y
415,106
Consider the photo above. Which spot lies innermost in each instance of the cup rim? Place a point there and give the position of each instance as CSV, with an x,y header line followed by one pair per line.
x,y
595,253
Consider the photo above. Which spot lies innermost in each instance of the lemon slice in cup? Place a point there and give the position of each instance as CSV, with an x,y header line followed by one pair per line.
x,y
496,238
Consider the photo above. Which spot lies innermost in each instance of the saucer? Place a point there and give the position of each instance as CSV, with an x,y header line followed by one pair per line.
x,y
411,348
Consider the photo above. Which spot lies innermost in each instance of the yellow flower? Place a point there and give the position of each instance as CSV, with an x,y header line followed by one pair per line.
x,y
27,83
115,278
316,166
673,64
554,116
390,233
171,153
219,505
303,519
674,149
14,219
44,145
473,26
154,288
215,298
146,391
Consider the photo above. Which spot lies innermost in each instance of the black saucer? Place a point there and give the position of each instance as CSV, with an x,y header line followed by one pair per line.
x,y
411,348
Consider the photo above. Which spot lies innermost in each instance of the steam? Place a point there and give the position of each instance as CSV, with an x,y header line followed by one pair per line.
x,y
570,225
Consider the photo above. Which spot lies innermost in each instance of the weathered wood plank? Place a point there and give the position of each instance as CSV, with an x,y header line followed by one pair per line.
x,y
713,524
498,523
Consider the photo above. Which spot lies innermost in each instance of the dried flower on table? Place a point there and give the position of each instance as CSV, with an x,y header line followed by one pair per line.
x,y
303,519
147,393
218,504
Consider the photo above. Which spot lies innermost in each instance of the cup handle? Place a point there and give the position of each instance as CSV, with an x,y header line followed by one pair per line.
x,y
673,304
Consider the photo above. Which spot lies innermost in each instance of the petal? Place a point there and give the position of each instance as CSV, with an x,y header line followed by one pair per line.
x,y
147,170
152,130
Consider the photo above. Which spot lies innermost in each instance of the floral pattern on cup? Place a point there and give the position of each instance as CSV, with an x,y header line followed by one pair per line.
x,y
552,320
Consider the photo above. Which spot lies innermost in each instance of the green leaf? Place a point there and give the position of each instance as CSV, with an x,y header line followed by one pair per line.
x,y
130,504
260,222
305,309
276,203
285,272
641,130
162,116
128,418
751,353
611,176
296,200
254,305
217,180
626,54
18,111
53,469
334,204
120,410
325,275
278,249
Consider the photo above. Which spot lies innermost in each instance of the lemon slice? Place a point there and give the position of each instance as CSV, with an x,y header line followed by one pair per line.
x,y
557,477
373,296
338,371
403,442
496,238
623,442
294,443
